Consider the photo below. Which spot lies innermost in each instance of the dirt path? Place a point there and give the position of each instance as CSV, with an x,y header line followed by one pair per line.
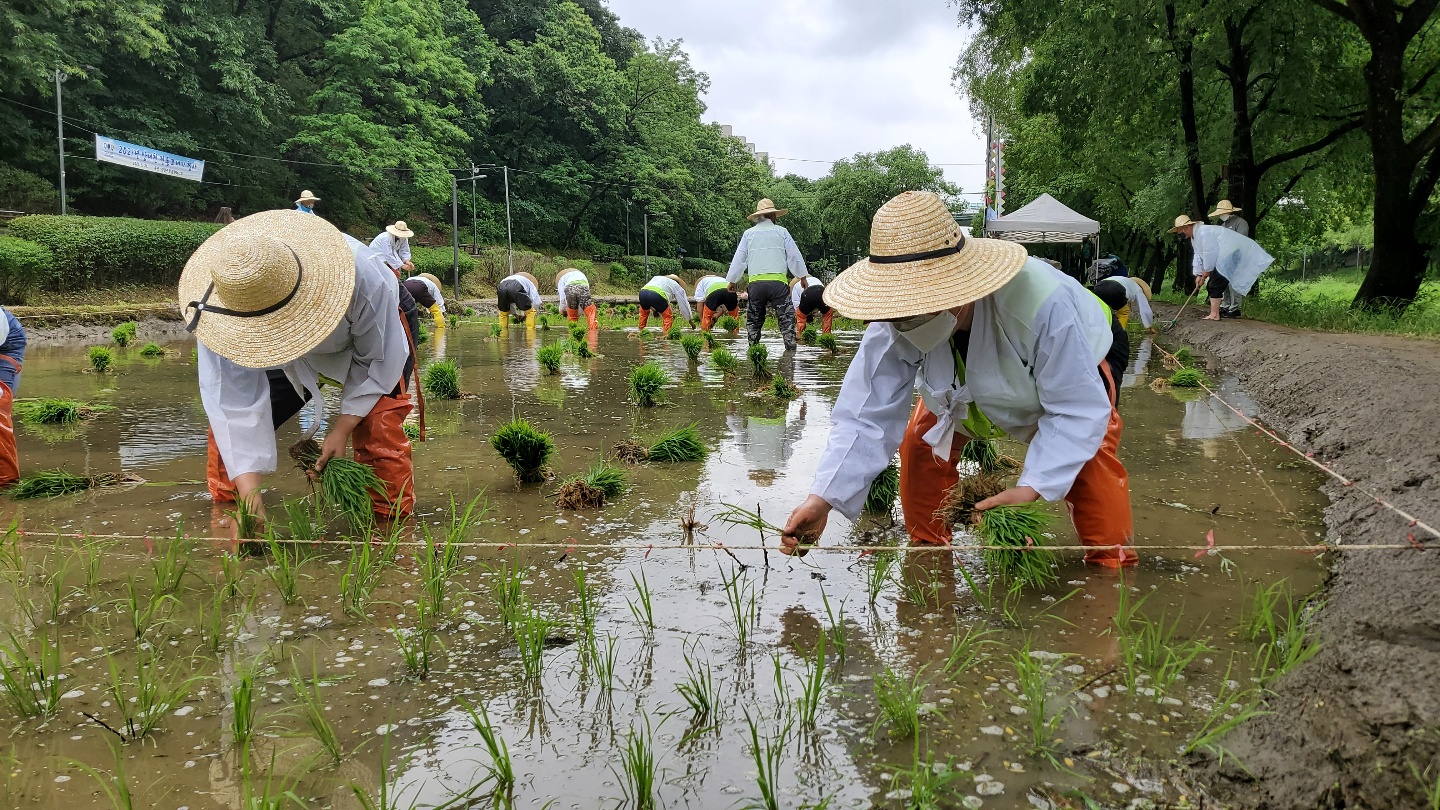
x,y
1347,726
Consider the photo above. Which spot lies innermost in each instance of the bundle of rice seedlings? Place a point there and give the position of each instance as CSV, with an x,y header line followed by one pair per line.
x,y
152,350
526,449
599,485
581,349
496,330
729,323
577,331
550,357
828,343
1019,527
630,451
124,334
683,444
1185,355
53,483
1187,378
646,335
49,411
986,453
544,322
345,484
101,358
809,334
724,360
441,380
422,335
709,338
412,431
692,344
958,508
883,491
646,382
675,333
469,312
758,356
781,388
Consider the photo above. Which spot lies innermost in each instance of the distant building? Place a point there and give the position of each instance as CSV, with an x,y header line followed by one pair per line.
x,y
729,132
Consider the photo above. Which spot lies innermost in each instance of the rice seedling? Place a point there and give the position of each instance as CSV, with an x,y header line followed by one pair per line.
x,y
900,700
393,797
693,345
698,689
729,323
1291,648
501,770
759,356
674,333
124,334
116,786
639,774
417,646
1032,679
152,350
920,585
147,612
646,382
550,357
581,349
303,518
543,322
92,560
1152,646
101,359
1187,378
242,702
266,794
154,695
346,485
767,755
780,686
744,607
809,334
231,573
170,566
1233,707
1260,619
1429,785
646,336
412,431
51,411
1018,527
606,660
30,681
526,449
577,332
812,687
441,379
508,591
828,342
286,560
724,361
883,491
532,629
311,706
782,389
928,783
360,578
48,484
835,623
641,606
681,444
966,650
601,484
709,338
584,607
879,573
1185,355
496,330
211,622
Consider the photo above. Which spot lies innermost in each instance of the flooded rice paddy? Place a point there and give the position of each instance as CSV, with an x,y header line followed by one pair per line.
x,y
634,674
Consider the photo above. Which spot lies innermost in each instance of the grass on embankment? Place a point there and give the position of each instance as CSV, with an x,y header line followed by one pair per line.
x,y
1324,304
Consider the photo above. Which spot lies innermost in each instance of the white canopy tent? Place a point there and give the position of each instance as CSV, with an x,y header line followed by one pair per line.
x,y
1045,220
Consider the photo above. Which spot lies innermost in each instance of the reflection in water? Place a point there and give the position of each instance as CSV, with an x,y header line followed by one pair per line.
x,y
1207,418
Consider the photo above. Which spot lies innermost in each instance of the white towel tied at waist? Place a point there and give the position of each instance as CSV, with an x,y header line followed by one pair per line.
x,y
949,408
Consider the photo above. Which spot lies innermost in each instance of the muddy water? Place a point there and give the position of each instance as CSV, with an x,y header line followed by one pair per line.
x,y
1193,470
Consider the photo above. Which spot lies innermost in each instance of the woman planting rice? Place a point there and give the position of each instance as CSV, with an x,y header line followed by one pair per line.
x,y
12,354
995,341
279,302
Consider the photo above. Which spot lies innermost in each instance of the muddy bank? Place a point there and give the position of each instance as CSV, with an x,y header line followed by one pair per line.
x,y
1348,727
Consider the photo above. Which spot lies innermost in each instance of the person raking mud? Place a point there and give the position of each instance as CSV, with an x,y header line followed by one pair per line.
x,y
280,303
1224,260
994,341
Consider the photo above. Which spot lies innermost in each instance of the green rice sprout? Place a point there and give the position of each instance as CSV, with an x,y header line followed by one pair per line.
x,y
758,356
883,491
119,795
286,560
441,379
835,621
1187,378
496,330
525,448
412,431
145,613
693,345
345,484
828,342
681,444
646,382
928,783
360,578
642,608
242,702
605,659
30,680
581,349
1032,679
578,331
170,566
152,350
1233,707
675,333
124,334
532,631
544,322
782,389
154,694
1019,527
729,323
812,687
639,776
709,338
550,357
983,452
601,484
901,699
646,336
417,645
49,411
101,359
48,484
724,361
501,770
302,518
768,755
809,334
1185,355
967,650
698,689
311,705
744,606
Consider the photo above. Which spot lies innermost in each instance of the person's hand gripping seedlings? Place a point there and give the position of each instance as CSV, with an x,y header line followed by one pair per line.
x,y
337,439
1010,497
805,526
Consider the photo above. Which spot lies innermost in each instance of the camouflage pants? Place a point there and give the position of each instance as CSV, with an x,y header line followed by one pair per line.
x,y
764,295
577,296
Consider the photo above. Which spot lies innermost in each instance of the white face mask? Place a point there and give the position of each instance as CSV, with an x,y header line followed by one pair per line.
x,y
1224,217
927,332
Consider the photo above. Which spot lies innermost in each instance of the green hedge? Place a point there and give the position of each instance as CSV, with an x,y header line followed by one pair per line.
x,y
23,266
708,267
440,262
635,268
94,251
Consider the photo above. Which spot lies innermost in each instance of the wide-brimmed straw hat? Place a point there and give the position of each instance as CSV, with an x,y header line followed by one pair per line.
x,y
399,229
560,273
1224,208
268,288
1182,221
430,277
921,262
1143,285
676,279
532,279
307,196
764,207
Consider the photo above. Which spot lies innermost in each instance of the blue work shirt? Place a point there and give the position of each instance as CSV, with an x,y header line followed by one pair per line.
x,y
14,347
301,207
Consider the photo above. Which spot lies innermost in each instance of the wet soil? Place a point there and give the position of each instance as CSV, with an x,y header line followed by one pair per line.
x,y
1359,725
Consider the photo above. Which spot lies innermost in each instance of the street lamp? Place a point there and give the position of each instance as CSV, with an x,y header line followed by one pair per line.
x,y
645,219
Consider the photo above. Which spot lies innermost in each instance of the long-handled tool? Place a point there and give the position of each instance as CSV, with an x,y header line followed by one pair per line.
x,y
1171,325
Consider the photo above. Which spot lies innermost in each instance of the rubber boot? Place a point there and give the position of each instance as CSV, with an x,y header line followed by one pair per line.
x,y
799,322
572,314
222,489
504,322
827,321
592,318
9,458
667,321
644,317
707,318
530,319
381,444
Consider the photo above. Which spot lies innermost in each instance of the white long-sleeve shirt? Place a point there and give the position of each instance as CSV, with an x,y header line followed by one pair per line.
x,y
740,264
434,291
565,280
1031,367
1238,258
536,302
672,291
707,285
393,250
367,351
798,290
1139,304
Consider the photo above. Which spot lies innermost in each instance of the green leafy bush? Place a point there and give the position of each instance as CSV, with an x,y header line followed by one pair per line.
x,y
23,266
622,274
112,250
526,449
441,380
708,267
439,262
646,382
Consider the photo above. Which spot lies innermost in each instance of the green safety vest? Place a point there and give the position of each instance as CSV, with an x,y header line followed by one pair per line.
x,y
765,260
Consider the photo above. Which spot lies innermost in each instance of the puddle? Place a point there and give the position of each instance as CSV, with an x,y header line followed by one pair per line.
x,y
1193,470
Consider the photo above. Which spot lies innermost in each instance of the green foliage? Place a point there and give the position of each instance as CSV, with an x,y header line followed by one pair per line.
x,y
683,444
526,449
646,382
152,349
440,263
23,265
441,379
578,331
92,251
124,334
706,267
1187,378
883,491
781,388
412,431
693,345
550,356
724,360
1185,355
828,342
100,358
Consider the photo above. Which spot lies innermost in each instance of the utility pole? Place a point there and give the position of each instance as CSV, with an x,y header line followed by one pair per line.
x,y
474,175
60,78
509,236
455,221
645,220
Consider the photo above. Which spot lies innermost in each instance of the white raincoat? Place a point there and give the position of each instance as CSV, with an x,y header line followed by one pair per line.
x,y
1239,259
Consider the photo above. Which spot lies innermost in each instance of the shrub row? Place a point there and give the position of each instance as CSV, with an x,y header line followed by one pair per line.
x,y
631,269
706,267
440,262
23,265
93,251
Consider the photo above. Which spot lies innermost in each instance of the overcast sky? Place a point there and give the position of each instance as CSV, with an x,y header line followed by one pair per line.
x,y
824,79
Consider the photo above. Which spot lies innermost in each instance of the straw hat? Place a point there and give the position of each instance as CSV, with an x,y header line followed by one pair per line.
x,y
1143,285
765,206
268,288
676,279
1224,208
559,273
399,229
1182,221
920,262
430,277
531,279
307,197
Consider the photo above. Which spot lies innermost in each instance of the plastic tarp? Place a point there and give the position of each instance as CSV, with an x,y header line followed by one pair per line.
x,y
1044,220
